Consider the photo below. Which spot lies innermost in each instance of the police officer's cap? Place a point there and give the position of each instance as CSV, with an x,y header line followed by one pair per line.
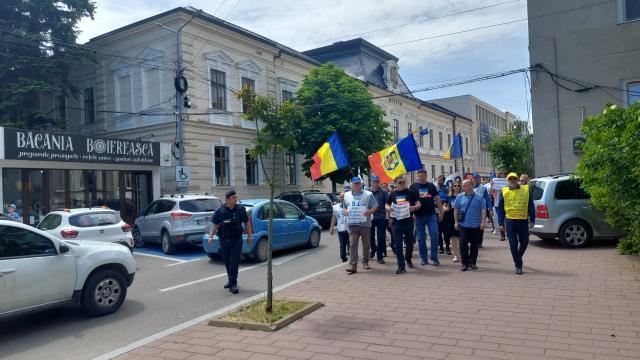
x,y
230,193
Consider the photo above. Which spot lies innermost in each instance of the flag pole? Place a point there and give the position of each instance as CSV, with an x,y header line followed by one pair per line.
x,y
461,155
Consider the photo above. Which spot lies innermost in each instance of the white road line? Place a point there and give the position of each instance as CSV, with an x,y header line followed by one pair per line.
x,y
204,279
160,257
183,262
289,258
186,324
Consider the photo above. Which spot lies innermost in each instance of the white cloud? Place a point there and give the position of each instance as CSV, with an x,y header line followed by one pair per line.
x,y
305,24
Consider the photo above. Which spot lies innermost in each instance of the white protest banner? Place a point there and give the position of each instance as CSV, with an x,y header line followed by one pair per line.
x,y
498,183
356,215
400,211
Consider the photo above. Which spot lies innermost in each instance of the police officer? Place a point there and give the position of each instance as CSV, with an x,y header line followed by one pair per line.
x,y
229,219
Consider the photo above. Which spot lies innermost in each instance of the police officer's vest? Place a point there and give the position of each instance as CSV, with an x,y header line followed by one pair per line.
x,y
516,202
231,227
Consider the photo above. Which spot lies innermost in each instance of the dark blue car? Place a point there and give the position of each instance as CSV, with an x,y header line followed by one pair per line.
x,y
291,228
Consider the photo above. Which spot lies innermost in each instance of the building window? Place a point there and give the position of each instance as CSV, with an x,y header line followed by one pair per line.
x,y
431,138
629,10
248,83
448,140
317,182
633,92
61,107
151,89
466,145
251,164
290,163
409,128
286,95
421,137
413,177
218,90
441,170
221,158
440,138
450,169
433,171
396,129
88,106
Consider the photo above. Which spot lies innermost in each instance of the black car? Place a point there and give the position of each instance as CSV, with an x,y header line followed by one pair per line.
x,y
313,203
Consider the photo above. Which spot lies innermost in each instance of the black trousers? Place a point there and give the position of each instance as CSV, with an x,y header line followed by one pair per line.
x,y
443,238
231,254
469,240
343,238
378,232
403,231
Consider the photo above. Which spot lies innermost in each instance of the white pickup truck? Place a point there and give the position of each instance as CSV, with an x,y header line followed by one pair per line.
x,y
39,271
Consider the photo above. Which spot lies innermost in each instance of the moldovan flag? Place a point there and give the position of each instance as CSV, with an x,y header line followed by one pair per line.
x,y
396,160
329,158
455,150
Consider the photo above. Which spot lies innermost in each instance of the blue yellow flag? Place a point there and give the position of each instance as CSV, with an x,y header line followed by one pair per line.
x,y
455,150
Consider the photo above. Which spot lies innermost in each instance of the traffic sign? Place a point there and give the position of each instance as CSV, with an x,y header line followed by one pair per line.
x,y
183,175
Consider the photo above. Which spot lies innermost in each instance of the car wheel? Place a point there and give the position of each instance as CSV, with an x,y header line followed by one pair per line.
x,y
138,241
213,256
314,238
104,292
261,251
575,234
167,247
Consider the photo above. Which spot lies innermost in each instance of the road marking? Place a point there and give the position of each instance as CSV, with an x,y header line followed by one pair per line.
x,y
186,324
204,279
182,262
289,258
160,257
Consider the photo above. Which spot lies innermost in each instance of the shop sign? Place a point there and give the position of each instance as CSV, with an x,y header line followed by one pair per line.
x,y
34,145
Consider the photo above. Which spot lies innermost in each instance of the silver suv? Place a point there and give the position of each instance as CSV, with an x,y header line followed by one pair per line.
x,y
175,220
564,211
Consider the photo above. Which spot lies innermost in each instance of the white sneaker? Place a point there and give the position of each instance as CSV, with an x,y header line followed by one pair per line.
x,y
495,232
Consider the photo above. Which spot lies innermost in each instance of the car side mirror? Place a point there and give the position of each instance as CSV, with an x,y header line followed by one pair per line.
x,y
64,248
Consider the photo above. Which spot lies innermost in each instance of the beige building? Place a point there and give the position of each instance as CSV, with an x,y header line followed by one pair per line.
x,y
130,94
487,121
593,47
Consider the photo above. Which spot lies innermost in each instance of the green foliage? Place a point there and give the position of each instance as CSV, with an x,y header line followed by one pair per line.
x,y
37,53
610,169
334,101
514,150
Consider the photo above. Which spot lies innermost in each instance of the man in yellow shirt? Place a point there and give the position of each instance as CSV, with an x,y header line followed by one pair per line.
x,y
517,211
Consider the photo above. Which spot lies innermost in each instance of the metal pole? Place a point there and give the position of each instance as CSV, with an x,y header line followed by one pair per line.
x,y
455,161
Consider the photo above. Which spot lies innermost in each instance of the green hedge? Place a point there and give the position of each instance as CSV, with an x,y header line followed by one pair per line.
x,y
610,169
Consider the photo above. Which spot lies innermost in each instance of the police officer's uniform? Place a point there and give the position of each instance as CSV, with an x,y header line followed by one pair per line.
x,y
229,223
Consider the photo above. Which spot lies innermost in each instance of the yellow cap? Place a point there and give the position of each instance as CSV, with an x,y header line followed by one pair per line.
x,y
512,175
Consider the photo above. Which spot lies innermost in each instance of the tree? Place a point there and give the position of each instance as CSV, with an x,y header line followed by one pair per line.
x,y
276,135
37,53
609,169
334,101
514,150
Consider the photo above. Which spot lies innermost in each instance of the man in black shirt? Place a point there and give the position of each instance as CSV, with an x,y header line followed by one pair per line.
x,y
229,219
426,217
400,204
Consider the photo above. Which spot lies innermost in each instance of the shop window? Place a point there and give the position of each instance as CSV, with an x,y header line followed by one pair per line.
x,y
12,190
112,190
57,190
95,187
36,196
76,189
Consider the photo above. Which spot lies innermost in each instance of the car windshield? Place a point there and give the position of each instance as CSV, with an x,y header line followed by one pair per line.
x,y
94,219
314,199
536,188
200,205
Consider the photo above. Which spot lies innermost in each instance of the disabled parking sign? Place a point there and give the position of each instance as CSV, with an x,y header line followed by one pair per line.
x,y
183,176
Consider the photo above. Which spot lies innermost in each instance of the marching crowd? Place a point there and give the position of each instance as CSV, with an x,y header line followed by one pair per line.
x,y
455,217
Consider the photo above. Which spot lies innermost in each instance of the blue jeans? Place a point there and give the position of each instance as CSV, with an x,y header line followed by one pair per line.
x,y
518,235
430,221
379,232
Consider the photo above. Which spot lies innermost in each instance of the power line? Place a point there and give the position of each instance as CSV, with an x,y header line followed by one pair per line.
x,y
232,8
408,23
494,25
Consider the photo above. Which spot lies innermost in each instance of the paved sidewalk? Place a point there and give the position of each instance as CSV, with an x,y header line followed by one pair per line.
x,y
569,304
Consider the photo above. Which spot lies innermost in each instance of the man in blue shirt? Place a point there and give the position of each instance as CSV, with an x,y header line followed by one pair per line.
x,y
479,189
470,218
13,215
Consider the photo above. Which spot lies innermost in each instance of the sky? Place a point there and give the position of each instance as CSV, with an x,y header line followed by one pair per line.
x,y
446,57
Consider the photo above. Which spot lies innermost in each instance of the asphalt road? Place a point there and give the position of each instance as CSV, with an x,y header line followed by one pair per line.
x,y
167,291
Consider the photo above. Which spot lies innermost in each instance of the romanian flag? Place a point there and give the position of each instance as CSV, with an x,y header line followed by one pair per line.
x,y
329,158
455,150
396,160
